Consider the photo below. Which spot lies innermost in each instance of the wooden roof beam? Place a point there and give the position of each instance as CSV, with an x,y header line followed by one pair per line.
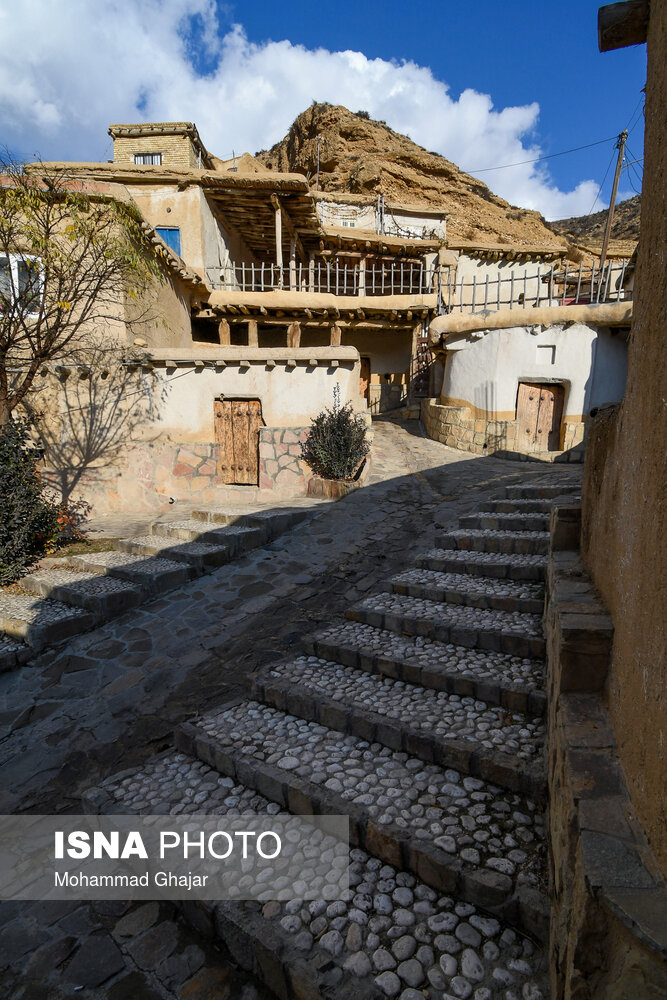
x,y
622,24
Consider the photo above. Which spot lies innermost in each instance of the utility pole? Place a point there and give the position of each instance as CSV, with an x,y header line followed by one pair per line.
x,y
620,145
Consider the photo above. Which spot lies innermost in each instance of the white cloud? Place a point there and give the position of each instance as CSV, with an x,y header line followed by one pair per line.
x,y
87,65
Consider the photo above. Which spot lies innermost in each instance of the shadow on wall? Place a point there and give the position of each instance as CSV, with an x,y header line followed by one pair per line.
x,y
87,420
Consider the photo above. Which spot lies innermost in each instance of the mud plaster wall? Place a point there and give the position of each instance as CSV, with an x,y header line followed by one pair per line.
x,y
625,472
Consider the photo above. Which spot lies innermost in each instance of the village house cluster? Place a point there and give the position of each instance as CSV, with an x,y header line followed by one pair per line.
x,y
275,293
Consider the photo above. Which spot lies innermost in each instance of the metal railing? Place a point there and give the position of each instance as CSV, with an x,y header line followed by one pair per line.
x,y
334,278
544,286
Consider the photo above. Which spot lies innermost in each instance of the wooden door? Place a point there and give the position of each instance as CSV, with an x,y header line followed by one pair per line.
x,y
237,424
539,409
365,378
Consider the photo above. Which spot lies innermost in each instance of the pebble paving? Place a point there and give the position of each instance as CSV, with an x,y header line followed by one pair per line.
x,y
445,715
455,614
481,558
470,584
35,611
388,927
493,828
514,671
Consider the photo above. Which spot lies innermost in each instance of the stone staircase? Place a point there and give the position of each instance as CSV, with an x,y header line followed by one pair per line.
x,y
421,717
74,594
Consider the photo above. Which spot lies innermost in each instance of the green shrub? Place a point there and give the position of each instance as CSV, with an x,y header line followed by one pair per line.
x,y
28,517
336,443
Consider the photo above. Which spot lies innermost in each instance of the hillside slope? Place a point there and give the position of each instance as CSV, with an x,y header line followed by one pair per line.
x,y
591,227
362,156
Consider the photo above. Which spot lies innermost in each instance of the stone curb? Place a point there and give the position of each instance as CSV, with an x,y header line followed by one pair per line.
x,y
448,595
505,641
528,702
523,521
483,887
507,770
528,491
499,568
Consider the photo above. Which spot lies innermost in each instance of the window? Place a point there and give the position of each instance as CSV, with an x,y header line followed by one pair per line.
x,y
20,282
148,159
171,236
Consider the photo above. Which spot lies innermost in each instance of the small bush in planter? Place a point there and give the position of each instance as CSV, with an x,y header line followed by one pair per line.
x,y
336,443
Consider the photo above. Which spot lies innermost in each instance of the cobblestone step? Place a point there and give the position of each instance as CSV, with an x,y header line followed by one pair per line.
x,y
486,540
38,622
513,682
459,834
390,929
273,521
518,521
533,506
104,596
234,538
502,631
12,653
199,555
541,491
473,591
434,726
152,575
488,564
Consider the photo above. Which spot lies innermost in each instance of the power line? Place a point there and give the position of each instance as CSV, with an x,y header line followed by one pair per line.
x,y
537,159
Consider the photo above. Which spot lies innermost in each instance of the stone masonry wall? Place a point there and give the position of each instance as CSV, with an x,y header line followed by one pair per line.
x,y
154,472
608,938
456,427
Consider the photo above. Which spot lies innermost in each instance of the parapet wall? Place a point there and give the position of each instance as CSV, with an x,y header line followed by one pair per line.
x,y
608,936
458,427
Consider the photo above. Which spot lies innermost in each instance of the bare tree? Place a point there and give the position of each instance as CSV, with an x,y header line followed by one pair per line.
x,y
70,257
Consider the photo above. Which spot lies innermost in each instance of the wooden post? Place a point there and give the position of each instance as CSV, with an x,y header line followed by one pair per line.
x,y
223,333
279,242
294,335
311,273
335,335
253,337
362,276
292,264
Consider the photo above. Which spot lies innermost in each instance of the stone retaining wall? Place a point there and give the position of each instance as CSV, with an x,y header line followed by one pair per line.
x,y
155,471
608,929
457,427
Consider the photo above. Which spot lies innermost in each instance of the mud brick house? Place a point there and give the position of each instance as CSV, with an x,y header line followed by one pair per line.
x,y
275,293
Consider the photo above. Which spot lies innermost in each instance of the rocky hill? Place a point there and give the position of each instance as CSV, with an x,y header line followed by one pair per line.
x,y
591,227
363,156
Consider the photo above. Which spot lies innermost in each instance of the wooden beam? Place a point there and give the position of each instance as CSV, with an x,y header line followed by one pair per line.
x,y
289,226
253,337
335,337
622,24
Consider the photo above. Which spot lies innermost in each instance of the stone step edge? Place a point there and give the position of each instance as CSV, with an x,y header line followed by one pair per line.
x,y
506,522
491,639
471,599
102,606
253,943
507,770
514,699
524,907
512,545
499,569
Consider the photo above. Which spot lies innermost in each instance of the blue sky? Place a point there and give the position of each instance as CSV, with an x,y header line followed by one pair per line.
x,y
485,84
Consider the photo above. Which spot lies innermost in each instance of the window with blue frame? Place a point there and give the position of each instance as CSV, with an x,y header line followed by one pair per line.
x,y
171,236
